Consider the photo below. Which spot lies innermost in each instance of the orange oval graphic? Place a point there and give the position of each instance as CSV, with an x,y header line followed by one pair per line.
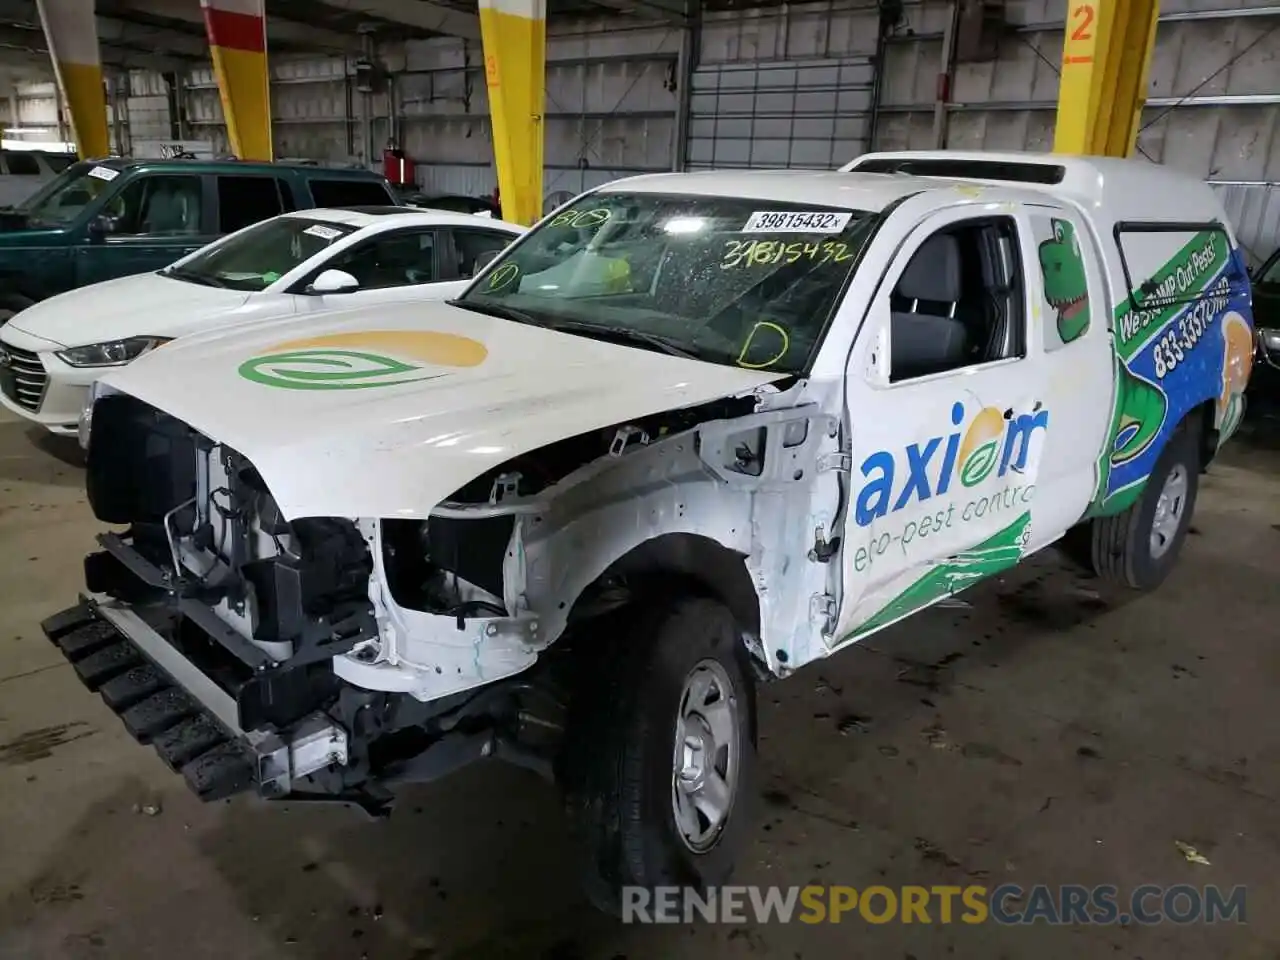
x,y
427,346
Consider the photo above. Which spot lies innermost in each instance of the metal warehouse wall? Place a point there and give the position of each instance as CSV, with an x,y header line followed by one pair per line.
x,y
610,109
1213,107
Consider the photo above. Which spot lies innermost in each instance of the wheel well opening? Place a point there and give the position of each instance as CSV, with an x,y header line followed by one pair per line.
x,y
697,560
1200,420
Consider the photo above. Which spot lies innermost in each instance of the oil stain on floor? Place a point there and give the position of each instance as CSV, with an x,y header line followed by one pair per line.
x,y
40,743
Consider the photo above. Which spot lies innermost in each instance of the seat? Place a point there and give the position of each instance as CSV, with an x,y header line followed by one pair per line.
x,y
928,342
171,209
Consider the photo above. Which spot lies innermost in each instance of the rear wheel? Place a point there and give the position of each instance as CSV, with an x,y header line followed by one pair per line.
x,y
659,764
1138,548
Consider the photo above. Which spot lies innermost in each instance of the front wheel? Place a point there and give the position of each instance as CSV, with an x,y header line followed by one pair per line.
x,y
1138,548
659,765
11,304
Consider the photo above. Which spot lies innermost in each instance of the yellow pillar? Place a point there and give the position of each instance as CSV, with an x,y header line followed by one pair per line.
x,y
71,33
1106,56
514,33
237,32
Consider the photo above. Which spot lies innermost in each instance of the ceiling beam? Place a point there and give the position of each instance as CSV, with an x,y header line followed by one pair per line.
x,y
419,14
279,30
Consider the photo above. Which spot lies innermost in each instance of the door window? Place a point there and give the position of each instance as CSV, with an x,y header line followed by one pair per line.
x,y
960,302
158,205
391,260
349,193
246,200
470,244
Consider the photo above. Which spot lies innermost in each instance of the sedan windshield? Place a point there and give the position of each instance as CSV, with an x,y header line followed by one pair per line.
x,y
261,255
749,283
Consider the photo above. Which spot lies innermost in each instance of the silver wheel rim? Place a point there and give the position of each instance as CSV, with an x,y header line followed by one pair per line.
x,y
705,760
1169,511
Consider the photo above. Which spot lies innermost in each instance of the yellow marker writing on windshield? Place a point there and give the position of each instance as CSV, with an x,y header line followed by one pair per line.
x,y
503,277
581,219
741,253
786,345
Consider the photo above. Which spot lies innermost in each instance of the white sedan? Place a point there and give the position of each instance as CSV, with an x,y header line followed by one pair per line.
x,y
311,261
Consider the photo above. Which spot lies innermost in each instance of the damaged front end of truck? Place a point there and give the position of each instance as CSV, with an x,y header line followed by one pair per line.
x,y
264,644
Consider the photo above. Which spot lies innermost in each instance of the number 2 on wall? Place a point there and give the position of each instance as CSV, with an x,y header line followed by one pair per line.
x,y
1082,33
1085,14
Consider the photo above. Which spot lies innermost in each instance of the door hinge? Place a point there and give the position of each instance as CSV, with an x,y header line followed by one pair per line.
x,y
823,548
841,462
822,610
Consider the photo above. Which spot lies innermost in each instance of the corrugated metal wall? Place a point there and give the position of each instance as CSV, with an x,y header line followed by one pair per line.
x,y
1213,106
610,108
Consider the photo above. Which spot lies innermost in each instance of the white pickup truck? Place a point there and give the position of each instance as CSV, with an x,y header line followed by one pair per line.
x,y
688,435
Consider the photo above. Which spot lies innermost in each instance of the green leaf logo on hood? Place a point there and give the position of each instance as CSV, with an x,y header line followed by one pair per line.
x,y
359,361
329,370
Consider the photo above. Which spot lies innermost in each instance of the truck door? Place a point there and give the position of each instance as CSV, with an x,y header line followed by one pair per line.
x,y
1071,332
947,419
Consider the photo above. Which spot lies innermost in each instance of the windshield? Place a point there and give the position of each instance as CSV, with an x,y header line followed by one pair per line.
x,y
62,199
262,254
749,283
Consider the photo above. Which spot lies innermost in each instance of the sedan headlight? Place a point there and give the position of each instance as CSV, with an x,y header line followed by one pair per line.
x,y
1269,337
112,353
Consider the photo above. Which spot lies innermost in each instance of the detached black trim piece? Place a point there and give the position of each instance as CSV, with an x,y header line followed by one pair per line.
x,y
152,704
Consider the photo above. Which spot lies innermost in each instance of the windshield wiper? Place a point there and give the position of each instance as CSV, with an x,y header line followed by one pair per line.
x,y
499,310
625,335
199,278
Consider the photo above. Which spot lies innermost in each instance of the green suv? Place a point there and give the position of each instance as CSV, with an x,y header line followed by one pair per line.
x,y
101,219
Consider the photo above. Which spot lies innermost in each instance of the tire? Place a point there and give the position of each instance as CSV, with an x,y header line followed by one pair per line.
x,y
619,769
1124,551
10,304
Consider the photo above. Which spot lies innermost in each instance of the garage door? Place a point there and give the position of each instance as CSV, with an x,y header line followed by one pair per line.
x,y
812,115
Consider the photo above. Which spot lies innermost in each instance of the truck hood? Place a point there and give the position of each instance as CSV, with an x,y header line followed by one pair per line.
x,y
386,412
145,304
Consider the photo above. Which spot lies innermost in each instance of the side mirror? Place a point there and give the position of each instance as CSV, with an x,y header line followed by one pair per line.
x,y
101,226
334,281
485,258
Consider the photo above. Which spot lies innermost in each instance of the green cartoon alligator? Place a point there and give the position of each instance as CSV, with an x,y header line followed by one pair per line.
x,y
1065,286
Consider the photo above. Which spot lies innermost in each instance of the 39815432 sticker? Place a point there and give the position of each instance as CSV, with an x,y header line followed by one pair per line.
x,y
797,221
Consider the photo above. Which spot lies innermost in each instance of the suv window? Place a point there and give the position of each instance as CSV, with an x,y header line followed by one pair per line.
x,y
391,260
349,193
162,204
960,301
22,164
246,200
469,244
59,161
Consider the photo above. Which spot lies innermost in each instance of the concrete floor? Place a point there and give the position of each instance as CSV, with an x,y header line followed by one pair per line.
x,y
1047,735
